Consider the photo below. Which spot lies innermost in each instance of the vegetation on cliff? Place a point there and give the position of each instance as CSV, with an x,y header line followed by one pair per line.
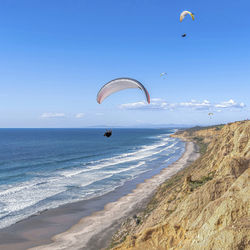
x,y
204,206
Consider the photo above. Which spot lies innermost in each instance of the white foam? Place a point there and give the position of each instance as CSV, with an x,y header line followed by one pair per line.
x,y
19,201
124,158
126,169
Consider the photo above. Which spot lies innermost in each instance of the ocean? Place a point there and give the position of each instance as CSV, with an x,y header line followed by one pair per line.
x,y
42,169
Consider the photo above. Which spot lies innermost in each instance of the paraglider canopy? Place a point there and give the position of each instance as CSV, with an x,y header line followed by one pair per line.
x,y
184,13
210,115
118,85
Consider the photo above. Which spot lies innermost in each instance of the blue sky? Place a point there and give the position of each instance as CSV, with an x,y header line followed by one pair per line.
x,y
56,55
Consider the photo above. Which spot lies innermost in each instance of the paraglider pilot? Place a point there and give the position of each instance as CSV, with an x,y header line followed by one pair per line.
x,y
108,133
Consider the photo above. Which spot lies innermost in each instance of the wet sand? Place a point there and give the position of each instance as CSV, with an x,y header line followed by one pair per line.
x,y
94,230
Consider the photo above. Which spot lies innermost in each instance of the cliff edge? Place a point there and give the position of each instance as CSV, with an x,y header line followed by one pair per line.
x,y
206,205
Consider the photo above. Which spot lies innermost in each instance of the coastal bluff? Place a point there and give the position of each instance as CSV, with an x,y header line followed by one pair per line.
x,y
204,206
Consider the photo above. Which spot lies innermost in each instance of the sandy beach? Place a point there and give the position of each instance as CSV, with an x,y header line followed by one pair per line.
x,y
95,220
93,232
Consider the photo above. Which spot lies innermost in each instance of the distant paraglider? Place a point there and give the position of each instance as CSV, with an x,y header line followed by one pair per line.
x,y
182,16
210,115
118,85
163,74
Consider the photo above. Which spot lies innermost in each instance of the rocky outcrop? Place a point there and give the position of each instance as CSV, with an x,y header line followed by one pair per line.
x,y
205,206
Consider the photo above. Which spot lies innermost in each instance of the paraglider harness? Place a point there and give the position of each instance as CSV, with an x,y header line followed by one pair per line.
x,y
108,133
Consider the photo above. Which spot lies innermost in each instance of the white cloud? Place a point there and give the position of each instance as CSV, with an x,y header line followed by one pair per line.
x,y
196,104
80,115
230,104
156,103
53,115
160,104
133,105
157,99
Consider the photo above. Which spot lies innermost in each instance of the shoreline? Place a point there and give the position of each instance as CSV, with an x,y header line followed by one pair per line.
x,y
39,228
102,224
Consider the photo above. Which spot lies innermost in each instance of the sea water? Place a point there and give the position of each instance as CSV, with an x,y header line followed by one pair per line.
x,y
44,168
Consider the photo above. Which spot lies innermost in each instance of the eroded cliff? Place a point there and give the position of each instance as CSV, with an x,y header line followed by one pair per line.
x,y
206,205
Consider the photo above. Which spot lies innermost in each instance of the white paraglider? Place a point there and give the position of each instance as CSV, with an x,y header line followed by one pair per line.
x,y
163,74
118,85
210,115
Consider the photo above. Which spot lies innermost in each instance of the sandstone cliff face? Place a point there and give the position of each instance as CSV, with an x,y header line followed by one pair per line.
x,y
205,206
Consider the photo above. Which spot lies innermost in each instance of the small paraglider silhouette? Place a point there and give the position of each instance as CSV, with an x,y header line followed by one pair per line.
x,y
163,74
210,115
108,133
183,15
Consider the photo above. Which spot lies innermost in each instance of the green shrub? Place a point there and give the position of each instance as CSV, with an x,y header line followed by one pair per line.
x,y
197,183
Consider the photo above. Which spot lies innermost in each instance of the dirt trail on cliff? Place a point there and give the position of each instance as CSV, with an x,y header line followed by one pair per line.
x,y
205,206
